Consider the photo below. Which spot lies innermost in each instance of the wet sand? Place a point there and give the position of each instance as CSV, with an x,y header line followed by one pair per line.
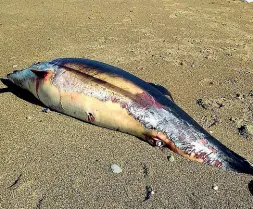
x,y
196,49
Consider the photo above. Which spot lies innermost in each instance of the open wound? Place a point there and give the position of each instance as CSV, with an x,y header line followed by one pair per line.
x,y
91,118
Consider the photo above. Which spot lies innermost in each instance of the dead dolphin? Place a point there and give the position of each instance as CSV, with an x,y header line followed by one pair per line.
x,y
113,98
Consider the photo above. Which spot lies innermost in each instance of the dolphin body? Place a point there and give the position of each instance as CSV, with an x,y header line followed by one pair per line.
x,y
110,97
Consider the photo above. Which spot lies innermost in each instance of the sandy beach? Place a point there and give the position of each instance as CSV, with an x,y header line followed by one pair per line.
x,y
201,51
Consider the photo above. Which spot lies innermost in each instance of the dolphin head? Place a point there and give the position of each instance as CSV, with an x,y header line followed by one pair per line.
x,y
21,78
26,78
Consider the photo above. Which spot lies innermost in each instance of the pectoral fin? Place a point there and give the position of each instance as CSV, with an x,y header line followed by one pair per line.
x,y
41,73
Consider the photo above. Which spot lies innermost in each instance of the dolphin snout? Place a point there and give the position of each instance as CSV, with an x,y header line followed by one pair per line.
x,y
11,74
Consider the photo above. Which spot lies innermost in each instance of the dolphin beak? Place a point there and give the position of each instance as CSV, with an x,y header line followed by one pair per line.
x,y
12,72
11,76
7,76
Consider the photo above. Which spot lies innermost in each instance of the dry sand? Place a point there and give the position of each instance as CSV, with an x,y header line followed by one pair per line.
x,y
197,49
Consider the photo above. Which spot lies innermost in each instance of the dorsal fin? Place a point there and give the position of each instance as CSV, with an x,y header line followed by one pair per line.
x,y
163,90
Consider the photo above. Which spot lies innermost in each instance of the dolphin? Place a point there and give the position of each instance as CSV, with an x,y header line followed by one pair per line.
x,y
110,97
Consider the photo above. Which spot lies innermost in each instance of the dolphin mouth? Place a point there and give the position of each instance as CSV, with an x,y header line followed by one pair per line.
x,y
8,76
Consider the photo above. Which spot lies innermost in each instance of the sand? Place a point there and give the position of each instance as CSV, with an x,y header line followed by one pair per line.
x,y
196,49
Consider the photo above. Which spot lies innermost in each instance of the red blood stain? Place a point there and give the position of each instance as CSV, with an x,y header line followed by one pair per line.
x,y
145,100
212,149
201,155
40,75
203,141
150,140
217,163
114,99
157,137
124,105
37,84
91,118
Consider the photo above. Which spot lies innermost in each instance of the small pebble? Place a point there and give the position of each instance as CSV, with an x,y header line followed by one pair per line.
x,y
249,129
115,168
28,117
14,66
215,188
46,110
171,158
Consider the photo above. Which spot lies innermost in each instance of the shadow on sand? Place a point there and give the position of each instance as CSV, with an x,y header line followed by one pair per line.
x,y
21,93
250,186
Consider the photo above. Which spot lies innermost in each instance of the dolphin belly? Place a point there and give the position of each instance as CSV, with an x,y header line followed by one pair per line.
x,y
101,113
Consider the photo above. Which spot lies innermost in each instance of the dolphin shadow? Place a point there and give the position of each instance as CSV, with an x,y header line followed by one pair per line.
x,y
19,92
250,186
